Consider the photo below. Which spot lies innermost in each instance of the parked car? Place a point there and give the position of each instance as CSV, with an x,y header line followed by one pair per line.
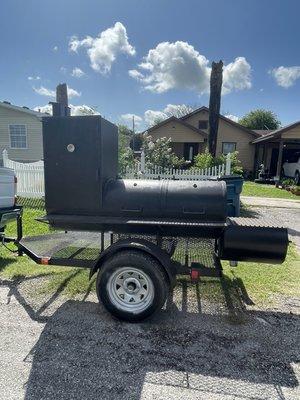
x,y
291,168
8,188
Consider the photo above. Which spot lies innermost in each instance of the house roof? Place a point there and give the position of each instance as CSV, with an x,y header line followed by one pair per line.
x,y
277,133
180,121
263,132
22,109
229,121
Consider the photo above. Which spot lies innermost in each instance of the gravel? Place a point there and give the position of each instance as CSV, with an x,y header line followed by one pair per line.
x,y
290,218
196,348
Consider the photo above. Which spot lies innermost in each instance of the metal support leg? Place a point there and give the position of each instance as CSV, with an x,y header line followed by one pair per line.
x,y
19,234
102,241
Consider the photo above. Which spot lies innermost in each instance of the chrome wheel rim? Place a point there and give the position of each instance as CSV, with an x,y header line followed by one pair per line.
x,y
130,289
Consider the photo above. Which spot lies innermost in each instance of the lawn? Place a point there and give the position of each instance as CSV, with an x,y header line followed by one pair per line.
x,y
261,190
261,281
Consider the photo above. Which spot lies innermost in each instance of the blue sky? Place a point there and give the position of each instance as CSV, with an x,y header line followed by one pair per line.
x,y
107,39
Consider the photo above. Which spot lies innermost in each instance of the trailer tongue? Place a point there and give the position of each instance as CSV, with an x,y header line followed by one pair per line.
x,y
137,234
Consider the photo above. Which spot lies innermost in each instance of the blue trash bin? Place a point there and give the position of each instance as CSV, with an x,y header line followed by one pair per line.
x,y
234,185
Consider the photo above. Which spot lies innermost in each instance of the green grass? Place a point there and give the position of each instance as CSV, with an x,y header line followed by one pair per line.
x,y
12,267
261,281
262,190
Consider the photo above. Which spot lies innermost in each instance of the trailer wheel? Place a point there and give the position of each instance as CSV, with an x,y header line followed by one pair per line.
x,y
132,285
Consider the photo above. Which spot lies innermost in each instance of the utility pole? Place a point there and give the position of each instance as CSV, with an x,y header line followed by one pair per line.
x,y
216,79
133,137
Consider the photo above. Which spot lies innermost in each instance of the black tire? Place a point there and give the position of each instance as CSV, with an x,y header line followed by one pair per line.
x,y
297,178
138,261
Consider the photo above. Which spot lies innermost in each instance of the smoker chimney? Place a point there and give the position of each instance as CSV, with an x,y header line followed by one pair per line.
x,y
60,108
62,94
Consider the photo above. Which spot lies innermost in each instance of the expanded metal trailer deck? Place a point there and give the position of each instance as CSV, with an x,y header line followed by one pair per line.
x,y
82,249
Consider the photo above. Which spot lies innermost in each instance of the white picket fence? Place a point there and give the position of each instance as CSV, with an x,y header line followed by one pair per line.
x,y
31,175
139,171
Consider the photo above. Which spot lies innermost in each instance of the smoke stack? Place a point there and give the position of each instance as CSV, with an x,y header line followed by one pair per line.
x,y
62,94
60,108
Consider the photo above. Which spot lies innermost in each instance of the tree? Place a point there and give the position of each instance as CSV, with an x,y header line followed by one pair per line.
x,y
126,157
136,141
159,153
216,79
179,110
260,119
171,110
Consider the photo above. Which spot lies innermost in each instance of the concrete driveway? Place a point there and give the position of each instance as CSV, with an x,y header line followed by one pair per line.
x,y
204,345
282,212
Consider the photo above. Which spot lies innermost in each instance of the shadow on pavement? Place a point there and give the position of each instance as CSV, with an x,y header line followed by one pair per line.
x,y
83,353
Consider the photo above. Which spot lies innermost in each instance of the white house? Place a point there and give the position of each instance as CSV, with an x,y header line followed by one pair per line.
x,y
20,133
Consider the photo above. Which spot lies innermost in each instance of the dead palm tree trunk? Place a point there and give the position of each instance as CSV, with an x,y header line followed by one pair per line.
x,y
216,79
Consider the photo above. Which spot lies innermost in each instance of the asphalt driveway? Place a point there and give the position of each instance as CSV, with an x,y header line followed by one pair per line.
x,y
199,347
210,342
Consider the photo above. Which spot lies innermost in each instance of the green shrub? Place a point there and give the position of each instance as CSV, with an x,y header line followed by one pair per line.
x,y
288,182
206,160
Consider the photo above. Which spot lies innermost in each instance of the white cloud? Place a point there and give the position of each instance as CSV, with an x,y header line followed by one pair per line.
x,y
232,117
44,91
44,109
34,78
173,66
128,119
285,76
55,48
179,110
83,110
152,116
179,65
73,93
236,75
104,49
51,93
75,110
77,72
135,74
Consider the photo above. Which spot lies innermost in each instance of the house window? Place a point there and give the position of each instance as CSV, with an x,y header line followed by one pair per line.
x,y
18,136
228,147
203,124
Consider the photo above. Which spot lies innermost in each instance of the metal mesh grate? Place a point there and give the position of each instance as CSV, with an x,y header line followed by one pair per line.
x,y
87,245
266,222
76,245
187,250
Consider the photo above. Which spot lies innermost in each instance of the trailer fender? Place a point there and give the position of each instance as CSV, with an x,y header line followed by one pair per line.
x,y
141,245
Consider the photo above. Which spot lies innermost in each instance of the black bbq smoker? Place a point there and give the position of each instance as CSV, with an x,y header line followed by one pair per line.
x,y
136,234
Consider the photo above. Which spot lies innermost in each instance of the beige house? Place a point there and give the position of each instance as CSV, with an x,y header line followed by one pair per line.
x,y
189,136
20,133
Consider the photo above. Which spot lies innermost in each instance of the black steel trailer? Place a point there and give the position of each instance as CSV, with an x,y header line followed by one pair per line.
x,y
135,272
